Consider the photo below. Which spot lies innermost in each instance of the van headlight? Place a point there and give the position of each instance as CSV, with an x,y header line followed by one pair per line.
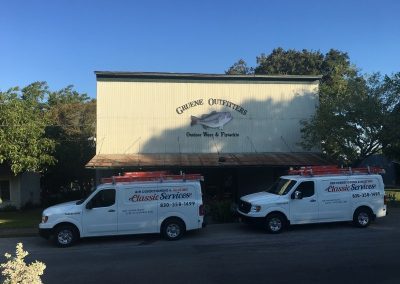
x,y
255,208
45,218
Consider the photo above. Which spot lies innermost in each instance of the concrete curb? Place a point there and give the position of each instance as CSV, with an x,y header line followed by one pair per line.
x,y
18,232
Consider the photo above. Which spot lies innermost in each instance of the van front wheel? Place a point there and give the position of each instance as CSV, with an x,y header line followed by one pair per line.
x,y
172,229
275,223
362,217
65,235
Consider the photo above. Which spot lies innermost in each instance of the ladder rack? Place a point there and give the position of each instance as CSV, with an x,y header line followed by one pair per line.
x,y
159,176
334,170
146,174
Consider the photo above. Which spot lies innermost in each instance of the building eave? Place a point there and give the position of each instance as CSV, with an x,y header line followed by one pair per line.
x,y
205,160
104,75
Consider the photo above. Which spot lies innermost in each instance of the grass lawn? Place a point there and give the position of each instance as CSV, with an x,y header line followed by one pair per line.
x,y
20,219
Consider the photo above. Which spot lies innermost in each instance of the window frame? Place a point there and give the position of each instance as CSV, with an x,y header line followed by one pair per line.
x,y
94,206
302,190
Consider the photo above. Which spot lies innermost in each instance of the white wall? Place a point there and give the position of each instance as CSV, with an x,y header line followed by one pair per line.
x,y
143,116
23,188
14,191
30,188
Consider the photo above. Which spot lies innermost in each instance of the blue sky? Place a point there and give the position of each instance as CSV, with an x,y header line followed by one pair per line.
x,y
64,41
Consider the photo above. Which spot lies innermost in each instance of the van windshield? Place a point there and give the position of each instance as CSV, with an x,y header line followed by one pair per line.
x,y
282,186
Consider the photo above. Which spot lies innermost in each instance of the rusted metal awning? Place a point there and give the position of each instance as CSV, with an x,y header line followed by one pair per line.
x,y
207,160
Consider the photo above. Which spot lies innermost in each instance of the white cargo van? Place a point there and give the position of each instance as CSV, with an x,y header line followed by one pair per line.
x,y
317,195
134,203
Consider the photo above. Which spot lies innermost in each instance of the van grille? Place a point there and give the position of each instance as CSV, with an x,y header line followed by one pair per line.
x,y
244,206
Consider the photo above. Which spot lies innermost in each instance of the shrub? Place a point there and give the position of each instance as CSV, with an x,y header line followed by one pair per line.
x,y
221,211
29,206
393,198
16,270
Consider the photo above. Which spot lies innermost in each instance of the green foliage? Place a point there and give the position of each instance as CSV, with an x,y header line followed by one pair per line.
x,y
239,68
73,117
390,87
393,197
49,132
221,211
23,120
348,124
391,134
357,116
8,208
15,270
290,62
72,113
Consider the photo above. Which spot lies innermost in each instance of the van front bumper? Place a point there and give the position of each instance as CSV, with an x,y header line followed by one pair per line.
x,y
45,233
258,221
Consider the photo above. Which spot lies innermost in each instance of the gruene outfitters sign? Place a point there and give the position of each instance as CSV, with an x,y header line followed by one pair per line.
x,y
211,102
213,120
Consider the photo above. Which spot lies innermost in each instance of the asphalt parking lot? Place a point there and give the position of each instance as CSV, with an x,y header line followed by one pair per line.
x,y
235,253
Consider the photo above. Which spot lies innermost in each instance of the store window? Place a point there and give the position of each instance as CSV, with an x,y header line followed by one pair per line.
x,y
4,190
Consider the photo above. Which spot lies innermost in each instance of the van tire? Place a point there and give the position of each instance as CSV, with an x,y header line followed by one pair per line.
x,y
65,235
275,223
362,217
173,229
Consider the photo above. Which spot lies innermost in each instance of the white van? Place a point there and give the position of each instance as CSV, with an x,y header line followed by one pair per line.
x,y
135,203
317,195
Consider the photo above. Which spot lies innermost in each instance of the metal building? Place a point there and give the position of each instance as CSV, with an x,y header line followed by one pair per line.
x,y
240,131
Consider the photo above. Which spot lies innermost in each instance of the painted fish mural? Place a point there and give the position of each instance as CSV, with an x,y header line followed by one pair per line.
x,y
212,120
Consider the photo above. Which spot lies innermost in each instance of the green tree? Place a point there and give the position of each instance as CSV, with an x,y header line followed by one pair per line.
x,y
239,68
389,86
290,62
391,134
348,123
73,117
347,126
23,120
336,68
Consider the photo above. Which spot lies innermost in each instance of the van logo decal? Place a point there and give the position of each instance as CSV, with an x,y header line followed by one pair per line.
x,y
164,194
341,186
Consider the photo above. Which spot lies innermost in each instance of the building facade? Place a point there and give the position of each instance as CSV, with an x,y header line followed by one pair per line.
x,y
237,130
20,190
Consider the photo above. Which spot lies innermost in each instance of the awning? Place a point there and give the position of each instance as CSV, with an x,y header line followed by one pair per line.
x,y
207,160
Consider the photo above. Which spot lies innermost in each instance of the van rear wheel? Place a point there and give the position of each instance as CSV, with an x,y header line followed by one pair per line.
x,y
362,217
275,223
172,229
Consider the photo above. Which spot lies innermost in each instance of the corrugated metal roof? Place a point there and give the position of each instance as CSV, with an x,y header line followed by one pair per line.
x,y
201,76
207,160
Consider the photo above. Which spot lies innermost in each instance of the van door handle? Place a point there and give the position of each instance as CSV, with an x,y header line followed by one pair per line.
x,y
313,200
111,210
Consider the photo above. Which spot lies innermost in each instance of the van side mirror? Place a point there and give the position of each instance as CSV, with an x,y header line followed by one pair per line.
x,y
89,205
298,195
